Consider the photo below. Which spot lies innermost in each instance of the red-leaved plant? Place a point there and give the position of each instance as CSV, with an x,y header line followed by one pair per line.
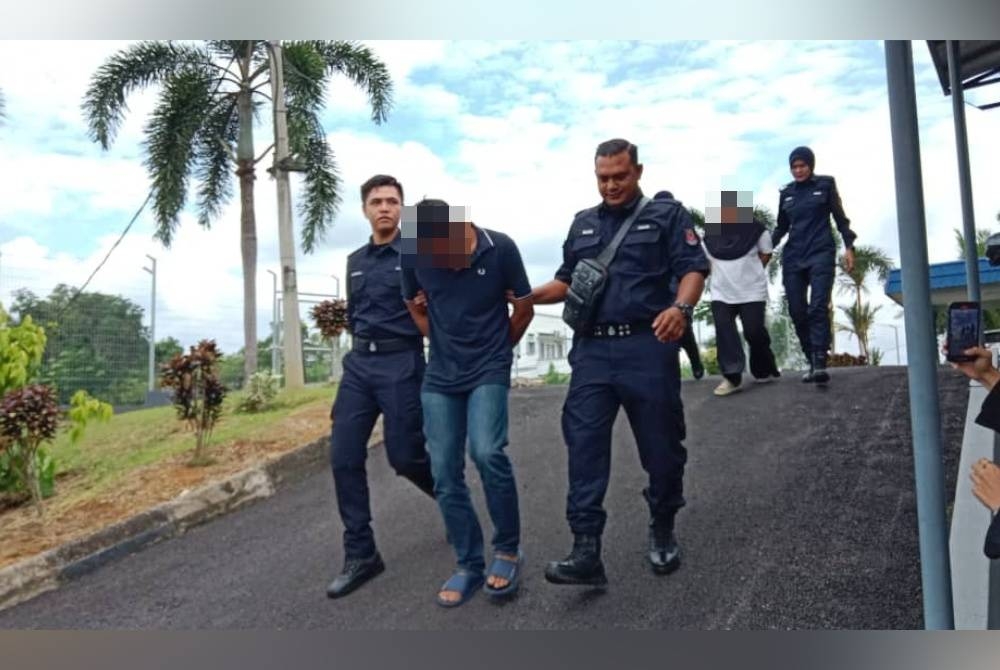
x,y
197,391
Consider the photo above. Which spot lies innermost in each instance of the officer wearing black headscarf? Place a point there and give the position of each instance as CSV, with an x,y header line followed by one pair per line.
x,y
809,257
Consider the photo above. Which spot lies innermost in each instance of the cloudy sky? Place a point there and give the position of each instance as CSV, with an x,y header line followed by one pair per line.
x,y
506,128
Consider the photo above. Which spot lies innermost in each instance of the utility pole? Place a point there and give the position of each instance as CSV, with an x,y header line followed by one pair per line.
x,y
292,337
152,325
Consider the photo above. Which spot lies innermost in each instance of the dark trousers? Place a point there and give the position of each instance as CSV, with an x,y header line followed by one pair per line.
x,y
373,383
808,289
690,346
732,360
642,375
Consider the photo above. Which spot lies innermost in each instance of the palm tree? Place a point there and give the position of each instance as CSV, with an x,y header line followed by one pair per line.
x,y
981,236
202,128
860,319
867,261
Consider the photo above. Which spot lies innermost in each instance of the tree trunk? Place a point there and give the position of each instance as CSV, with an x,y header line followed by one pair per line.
x,y
30,475
248,232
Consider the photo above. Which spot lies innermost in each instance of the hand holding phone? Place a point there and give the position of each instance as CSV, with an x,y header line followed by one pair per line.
x,y
964,319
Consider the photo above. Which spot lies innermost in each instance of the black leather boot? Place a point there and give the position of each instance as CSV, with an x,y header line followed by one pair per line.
x,y
820,375
356,572
810,376
582,566
664,553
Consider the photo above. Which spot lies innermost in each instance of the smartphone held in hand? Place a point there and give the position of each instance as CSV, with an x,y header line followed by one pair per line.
x,y
964,323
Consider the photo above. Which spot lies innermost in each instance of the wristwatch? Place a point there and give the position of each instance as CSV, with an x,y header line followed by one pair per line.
x,y
686,309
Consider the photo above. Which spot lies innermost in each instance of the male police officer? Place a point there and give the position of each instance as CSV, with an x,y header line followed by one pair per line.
x,y
808,262
628,358
382,373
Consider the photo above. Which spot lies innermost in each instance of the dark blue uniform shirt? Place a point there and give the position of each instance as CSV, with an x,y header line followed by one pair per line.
x,y
468,314
804,215
375,307
661,245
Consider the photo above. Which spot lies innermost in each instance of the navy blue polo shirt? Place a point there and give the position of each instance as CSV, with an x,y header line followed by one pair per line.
x,y
660,246
468,314
804,211
375,307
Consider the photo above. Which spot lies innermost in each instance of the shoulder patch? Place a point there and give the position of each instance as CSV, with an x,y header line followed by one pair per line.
x,y
691,237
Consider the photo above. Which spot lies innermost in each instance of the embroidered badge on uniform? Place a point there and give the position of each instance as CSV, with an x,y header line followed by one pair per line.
x,y
691,237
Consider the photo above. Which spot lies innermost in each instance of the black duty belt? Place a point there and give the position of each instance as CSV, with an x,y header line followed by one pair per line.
x,y
618,329
386,346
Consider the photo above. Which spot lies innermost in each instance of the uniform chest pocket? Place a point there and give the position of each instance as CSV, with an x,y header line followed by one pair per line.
x,y
586,246
357,286
642,250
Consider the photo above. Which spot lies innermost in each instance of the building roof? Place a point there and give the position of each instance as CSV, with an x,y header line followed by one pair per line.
x,y
979,65
948,283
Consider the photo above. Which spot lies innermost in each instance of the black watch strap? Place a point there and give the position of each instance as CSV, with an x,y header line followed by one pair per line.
x,y
686,309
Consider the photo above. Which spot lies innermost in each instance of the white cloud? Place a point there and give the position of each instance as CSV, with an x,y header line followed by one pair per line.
x,y
523,121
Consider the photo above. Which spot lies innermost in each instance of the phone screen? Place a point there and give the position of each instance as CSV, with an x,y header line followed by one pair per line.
x,y
963,329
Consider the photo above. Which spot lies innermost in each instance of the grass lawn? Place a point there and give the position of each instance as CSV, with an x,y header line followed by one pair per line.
x,y
141,458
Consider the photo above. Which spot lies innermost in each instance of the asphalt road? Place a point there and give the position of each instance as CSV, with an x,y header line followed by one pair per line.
x,y
801,514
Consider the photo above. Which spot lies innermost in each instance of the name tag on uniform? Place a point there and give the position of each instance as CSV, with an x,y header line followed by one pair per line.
x,y
644,226
789,198
357,273
398,268
817,192
587,231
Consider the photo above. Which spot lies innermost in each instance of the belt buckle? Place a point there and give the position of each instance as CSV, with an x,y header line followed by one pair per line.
x,y
372,347
611,331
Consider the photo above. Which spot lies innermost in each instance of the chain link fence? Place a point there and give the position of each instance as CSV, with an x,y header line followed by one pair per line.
x,y
104,340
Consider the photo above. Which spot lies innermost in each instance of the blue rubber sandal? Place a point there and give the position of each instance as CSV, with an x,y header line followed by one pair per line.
x,y
464,582
505,569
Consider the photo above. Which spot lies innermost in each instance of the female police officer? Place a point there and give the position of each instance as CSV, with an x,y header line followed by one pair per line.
x,y
809,258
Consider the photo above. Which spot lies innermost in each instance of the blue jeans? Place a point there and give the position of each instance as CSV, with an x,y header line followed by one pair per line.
x,y
481,416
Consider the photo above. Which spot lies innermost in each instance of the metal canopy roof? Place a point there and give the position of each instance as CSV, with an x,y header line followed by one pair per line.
x,y
948,283
979,65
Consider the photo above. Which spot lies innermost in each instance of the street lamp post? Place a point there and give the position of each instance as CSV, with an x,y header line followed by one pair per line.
x,y
274,321
152,324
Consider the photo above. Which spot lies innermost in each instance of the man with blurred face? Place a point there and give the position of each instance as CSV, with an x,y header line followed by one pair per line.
x,y
465,273
382,374
627,358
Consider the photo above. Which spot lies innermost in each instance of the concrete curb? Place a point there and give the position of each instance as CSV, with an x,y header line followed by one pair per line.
x,y
47,571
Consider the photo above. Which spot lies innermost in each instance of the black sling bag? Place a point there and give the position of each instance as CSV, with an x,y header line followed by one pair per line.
x,y
590,278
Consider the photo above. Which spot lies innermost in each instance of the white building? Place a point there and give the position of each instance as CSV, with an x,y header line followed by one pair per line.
x,y
546,342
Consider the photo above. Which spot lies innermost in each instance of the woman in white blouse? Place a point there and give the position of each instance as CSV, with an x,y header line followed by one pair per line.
x,y
739,248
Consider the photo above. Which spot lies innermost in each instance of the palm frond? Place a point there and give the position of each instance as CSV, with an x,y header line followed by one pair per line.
x,y
214,151
170,134
360,64
321,182
305,76
763,214
138,66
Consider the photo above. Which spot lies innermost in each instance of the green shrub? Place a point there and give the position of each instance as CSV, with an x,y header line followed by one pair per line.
x,y
260,391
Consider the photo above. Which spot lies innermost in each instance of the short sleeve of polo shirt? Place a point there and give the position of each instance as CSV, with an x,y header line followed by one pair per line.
x,y
684,246
409,283
514,275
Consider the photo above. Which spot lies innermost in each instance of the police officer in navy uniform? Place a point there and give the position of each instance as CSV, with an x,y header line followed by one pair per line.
x,y
382,374
809,258
628,358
